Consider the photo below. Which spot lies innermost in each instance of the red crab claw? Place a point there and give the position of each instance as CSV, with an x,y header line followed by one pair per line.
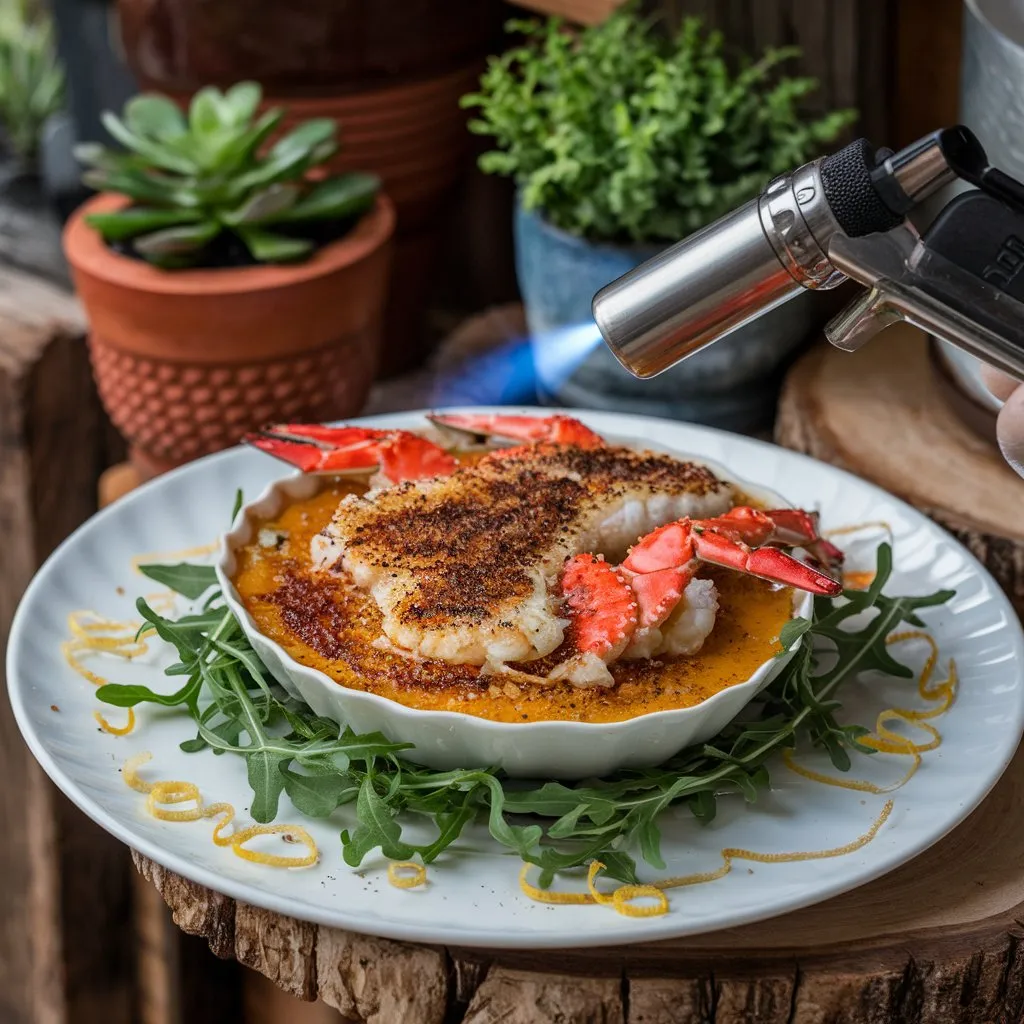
x,y
768,563
658,568
792,527
602,606
660,563
554,429
314,448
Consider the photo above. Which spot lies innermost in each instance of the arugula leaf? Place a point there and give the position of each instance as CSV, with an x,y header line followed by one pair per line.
x,y
185,578
318,795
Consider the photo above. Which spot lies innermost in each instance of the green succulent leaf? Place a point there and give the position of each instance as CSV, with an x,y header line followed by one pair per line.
x,y
124,224
305,139
273,202
177,241
267,247
345,196
206,112
158,155
242,99
155,116
142,187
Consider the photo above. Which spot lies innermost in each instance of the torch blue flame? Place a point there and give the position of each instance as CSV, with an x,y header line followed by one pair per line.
x,y
509,374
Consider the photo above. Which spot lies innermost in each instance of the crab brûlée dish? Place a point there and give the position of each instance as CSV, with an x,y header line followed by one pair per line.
x,y
560,578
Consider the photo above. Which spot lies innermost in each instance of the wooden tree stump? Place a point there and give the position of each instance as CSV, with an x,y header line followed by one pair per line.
x,y
881,413
939,940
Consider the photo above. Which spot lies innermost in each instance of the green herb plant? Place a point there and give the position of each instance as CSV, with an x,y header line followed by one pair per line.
x,y
31,77
191,178
621,134
238,709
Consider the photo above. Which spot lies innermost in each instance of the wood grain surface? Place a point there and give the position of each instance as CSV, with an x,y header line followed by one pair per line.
x,y
64,883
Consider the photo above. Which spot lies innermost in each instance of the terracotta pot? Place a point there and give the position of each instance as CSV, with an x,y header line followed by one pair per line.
x,y
187,361
414,136
310,47
391,72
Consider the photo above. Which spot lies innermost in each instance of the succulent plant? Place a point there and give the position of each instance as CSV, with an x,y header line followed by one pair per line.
x,y
31,77
192,178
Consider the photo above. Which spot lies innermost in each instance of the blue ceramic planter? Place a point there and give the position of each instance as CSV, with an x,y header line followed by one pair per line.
x,y
731,384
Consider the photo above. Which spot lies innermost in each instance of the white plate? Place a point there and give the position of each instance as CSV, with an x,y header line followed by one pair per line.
x,y
473,897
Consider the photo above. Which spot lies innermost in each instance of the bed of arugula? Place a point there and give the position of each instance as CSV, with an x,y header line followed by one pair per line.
x,y
237,708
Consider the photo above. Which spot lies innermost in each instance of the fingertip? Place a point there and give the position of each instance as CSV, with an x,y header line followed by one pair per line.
x,y
1001,385
1010,430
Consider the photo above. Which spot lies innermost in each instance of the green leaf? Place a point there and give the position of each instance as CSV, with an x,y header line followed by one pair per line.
x,y
270,248
129,223
130,696
155,116
140,186
335,198
275,201
239,501
792,631
205,113
267,782
243,99
318,795
377,828
304,139
177,241
185,578
156,153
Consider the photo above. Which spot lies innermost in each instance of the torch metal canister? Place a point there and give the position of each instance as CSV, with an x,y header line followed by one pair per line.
x,y
734,270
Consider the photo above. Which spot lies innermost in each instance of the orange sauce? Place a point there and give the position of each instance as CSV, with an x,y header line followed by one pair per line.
x,y
326,623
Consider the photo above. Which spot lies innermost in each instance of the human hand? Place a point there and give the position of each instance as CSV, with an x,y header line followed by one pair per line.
x,y
1010,426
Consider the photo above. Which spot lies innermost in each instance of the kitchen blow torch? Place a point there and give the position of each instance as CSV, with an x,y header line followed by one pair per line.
x,y
842,217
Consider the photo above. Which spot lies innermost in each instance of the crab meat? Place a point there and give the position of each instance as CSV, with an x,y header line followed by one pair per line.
x,y
490,564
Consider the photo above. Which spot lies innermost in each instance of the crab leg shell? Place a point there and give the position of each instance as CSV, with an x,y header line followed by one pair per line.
x,y
556,429
603,608
315,448
767,563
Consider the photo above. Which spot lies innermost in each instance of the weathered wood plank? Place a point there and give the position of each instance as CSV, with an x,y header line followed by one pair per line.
x,y
64,953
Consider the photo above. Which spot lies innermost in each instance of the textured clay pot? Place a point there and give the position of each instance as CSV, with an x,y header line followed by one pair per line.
x,y
391,72
311,47
413,136
187,361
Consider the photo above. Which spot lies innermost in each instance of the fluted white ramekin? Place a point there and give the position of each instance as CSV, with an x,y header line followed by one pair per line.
x,y
451,739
